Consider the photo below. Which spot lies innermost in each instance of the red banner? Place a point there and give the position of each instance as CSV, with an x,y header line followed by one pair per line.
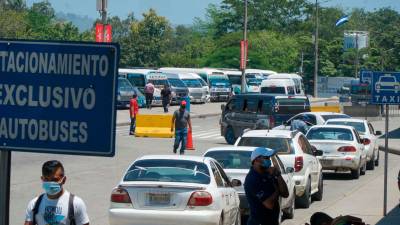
x,y
108,30
243,54
99,32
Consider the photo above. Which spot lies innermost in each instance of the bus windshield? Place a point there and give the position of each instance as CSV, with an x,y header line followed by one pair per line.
x,y
136,79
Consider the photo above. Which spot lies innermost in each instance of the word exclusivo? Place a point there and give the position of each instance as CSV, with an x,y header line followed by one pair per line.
x,y
44,96
53,63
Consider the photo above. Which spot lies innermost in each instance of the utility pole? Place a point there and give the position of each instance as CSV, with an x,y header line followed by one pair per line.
x,y
243,88
302,64
316,50
104,17
357,57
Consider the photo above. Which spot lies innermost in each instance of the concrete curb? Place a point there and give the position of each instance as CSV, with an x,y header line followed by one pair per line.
x,y
391,150
200,116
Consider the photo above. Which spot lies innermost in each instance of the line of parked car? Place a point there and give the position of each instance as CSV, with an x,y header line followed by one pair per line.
x,y
203,85
165,189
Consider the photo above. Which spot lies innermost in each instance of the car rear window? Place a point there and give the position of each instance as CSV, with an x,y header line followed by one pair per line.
x,y
292,106
164,170
335,116
359,126
231,159
273,90
281,145
330,134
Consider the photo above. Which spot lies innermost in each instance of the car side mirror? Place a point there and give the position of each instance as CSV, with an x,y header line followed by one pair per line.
x,y
316,152
290,170
236,183
286,123
378,133
366,141
223,107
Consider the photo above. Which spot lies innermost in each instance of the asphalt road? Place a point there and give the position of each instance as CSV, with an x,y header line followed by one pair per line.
x,y
93,178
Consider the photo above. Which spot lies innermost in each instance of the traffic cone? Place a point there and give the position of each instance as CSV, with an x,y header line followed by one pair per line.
x,y
189,143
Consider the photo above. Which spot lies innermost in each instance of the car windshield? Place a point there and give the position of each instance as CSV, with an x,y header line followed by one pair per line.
x,y
219,83
330,134
235,79
335,116
192,83
176,82
273,90
359,126
124,85
231,159
160,82
138,92
136,79
387,79
203,83
254,81
165,170
281,145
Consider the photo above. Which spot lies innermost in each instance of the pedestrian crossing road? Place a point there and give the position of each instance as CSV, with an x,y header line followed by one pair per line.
x,y
198,132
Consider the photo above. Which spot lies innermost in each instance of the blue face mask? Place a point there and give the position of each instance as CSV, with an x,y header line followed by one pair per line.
x,y
266,163
51,188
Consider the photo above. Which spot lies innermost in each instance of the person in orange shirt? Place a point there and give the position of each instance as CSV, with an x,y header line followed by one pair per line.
x,y
133,111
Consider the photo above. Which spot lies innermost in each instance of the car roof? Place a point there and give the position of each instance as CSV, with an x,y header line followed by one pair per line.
x,y
232,148
323,113
332,126
347,120
174,157
269,133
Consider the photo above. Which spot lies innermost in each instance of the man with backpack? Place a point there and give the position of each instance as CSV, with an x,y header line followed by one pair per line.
x,y
56,206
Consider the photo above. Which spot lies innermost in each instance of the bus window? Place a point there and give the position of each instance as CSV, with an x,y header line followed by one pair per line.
x,y
136,79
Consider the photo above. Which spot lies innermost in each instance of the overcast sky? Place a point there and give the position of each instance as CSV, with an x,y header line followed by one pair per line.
x,y
182,11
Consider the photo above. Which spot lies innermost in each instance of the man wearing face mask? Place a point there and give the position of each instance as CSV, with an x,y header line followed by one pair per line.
x,y
56,206
263,186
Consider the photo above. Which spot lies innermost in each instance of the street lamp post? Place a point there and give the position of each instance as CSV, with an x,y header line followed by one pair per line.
x,y
316,50
243,88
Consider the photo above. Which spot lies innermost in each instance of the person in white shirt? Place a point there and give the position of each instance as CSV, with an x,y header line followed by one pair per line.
x,y
56,206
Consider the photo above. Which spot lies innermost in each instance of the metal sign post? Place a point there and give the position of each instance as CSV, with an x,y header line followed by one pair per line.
x,y
5,172
385,91
386,160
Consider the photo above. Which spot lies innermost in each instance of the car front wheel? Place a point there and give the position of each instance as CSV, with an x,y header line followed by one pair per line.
x,y
305,200
230,136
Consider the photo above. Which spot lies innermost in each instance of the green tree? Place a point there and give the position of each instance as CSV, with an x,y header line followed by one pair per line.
x,y
148,41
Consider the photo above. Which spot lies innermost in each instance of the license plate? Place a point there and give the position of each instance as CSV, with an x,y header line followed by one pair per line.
x,y
158,198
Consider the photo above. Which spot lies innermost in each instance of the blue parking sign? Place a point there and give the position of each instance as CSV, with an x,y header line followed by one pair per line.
x,y
385,88
58,97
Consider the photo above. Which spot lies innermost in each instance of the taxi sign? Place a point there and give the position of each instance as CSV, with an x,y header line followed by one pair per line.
x,y
58,97
385,88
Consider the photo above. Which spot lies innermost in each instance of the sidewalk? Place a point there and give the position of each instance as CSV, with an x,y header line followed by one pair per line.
x,y
198,110
394,134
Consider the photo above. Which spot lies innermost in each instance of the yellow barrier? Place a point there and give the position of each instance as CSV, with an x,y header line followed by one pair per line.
x,y
331,108
158,126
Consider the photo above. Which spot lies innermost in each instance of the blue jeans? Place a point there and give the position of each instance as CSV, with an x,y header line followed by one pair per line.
x,y
180,136
133,126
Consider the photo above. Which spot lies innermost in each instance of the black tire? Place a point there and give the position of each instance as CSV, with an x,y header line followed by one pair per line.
x,y
319,195
305,200
363,169
371,163
377,160
230,136
289,213
355,174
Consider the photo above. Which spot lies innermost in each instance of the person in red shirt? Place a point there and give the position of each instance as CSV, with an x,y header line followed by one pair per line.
x,y
133,111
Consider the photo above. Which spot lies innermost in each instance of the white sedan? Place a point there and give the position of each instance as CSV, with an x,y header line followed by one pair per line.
x,y
236,163
170,190
366,131
342,147
312,118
